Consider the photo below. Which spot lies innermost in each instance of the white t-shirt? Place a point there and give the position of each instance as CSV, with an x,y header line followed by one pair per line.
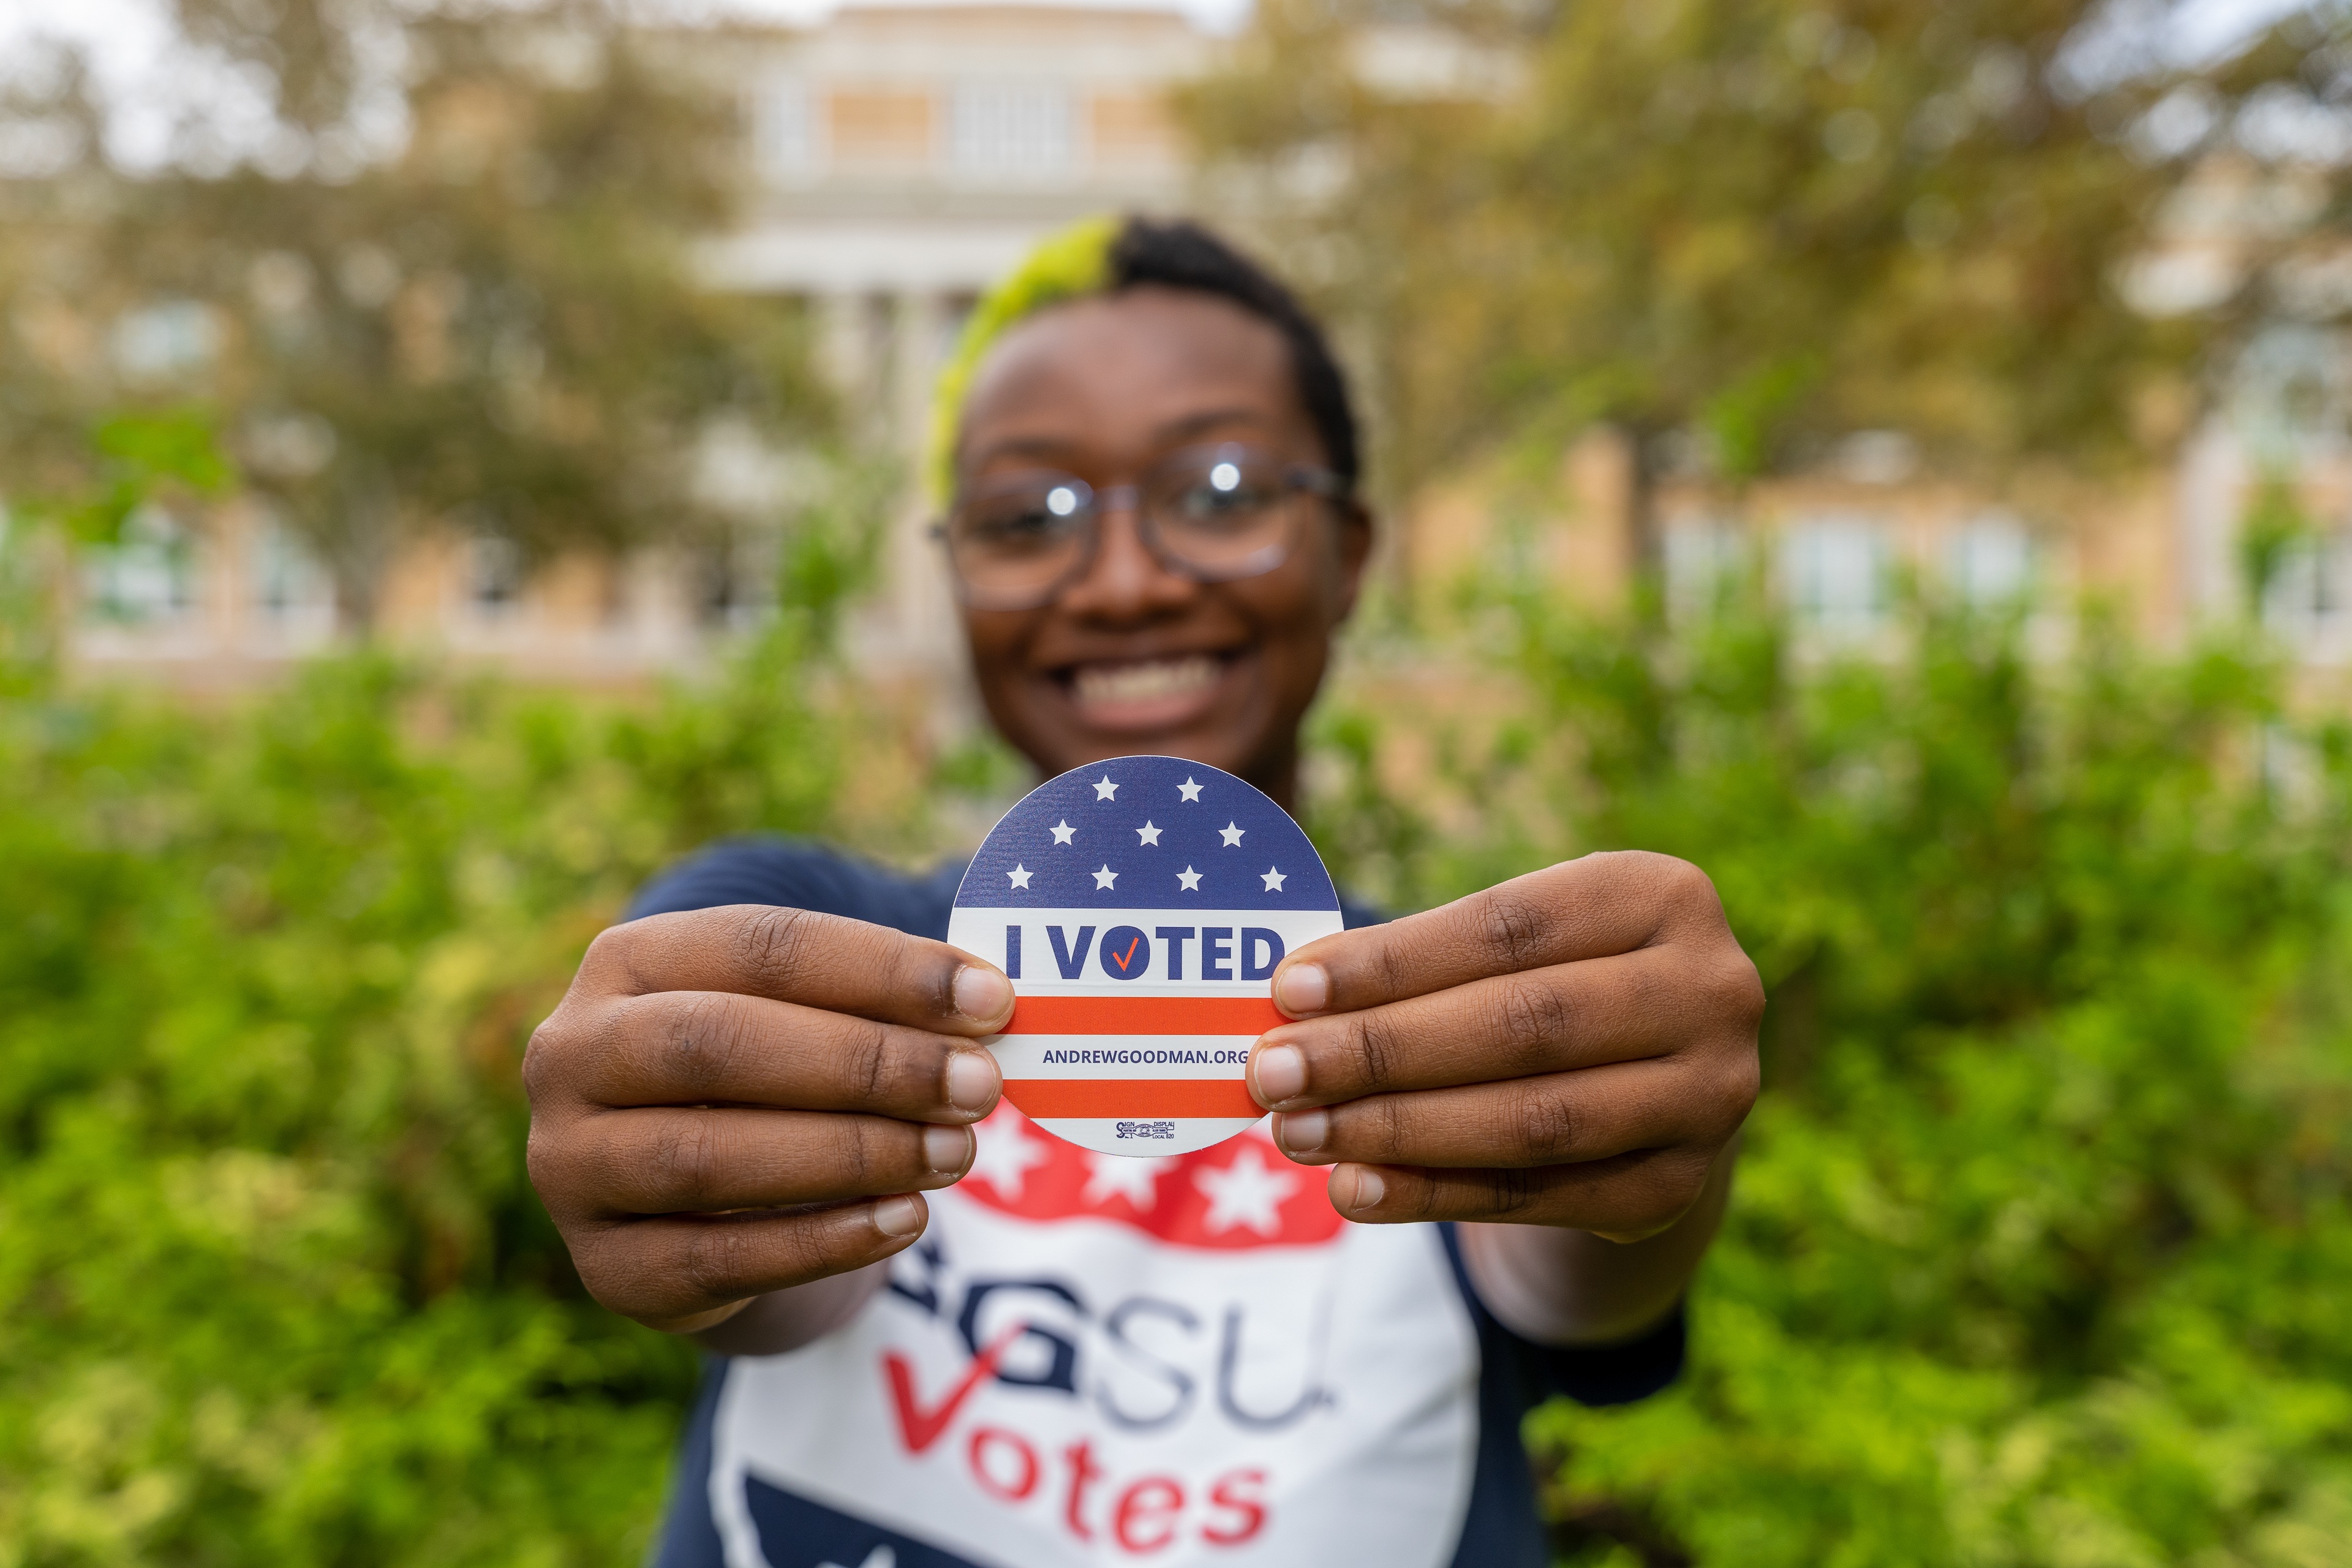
x,y
1094,1359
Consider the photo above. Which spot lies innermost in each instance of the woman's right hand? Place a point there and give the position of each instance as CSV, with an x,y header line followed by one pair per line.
x,y
738,1100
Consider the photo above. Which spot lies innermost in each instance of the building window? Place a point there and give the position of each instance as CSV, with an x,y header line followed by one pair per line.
x,y
1990,561
292,593
1702,558
738,580
1833,571
2307,601
147,576
2289,395
784,128
1011,130
493,575
880,129
161,341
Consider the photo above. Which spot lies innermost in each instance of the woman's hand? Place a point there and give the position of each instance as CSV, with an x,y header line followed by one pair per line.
x,y
1572,1048
739,1101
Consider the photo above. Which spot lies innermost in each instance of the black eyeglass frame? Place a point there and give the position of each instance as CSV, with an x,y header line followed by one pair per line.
x,y
1093,506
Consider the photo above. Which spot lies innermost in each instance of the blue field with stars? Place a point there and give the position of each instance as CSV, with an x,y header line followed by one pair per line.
x,y
1146,833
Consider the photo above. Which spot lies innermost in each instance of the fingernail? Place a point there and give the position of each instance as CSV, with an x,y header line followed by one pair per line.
x,y
1302,988
1368,1188
971,1080
983,994
947,1150
1304,1131
1279,1072
898,1216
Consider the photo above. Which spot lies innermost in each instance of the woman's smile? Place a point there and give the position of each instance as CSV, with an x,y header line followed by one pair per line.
x,y
1147,694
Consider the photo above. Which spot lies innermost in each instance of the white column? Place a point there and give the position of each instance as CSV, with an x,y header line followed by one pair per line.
x,y
2211,487
929,644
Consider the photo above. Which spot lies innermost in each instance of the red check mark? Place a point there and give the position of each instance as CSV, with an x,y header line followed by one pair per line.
x,y
919,1428
1130,954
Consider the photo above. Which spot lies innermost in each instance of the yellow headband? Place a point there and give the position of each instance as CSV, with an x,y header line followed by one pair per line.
x,y
1069,264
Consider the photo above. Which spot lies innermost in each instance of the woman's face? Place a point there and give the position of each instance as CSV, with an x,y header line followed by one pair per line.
x,y
1133,657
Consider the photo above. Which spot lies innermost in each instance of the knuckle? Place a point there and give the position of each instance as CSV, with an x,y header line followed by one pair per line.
x,y
684,1160
613,1283
559,1159
543,1163
1392,973
609,1050
866,1153
1689,890
1413,1195
1507,1192
1665,1188
1543,1124
877,1065
816,1245
700,1036
774,943
1742,1080
541,1059
1650,865
1742,989
1378,1050
716,1260
606,952
1515,921
1533,1017
1685,878
1673,890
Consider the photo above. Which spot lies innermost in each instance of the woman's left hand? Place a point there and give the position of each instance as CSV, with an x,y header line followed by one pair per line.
x,y
1572,1048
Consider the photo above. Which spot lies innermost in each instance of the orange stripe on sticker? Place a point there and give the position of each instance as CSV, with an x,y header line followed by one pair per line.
x,y
1042,1099
1142,1015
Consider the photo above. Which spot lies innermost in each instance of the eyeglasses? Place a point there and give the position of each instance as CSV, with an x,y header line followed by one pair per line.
x,y
1214,513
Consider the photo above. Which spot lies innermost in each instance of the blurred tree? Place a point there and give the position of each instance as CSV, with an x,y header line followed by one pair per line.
x,y
1738,230
428,266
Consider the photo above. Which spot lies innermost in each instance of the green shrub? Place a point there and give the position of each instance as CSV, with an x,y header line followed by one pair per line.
x,y
2037,1256
2039,1250
274,1286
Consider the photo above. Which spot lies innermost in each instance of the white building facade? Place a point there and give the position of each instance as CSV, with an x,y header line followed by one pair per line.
x,y
910,157
905,156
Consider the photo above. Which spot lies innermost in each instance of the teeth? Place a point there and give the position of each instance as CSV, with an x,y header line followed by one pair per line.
x,y
1117,683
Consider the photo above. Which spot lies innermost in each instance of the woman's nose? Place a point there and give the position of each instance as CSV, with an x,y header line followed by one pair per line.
x,y
1125,579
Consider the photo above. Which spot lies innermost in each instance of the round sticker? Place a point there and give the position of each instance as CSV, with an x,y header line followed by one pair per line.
x,y
1139,906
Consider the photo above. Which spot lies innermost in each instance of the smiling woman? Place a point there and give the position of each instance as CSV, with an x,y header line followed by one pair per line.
x,y
1152,514
760,1104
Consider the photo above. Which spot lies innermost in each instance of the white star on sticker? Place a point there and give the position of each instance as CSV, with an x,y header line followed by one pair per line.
x,y
1188,879
1104,789
1020,875
1003,1156
1064,832
1106,877
1247,1192
1273,880
1229,834
1189,790
1148,833
1122,1176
